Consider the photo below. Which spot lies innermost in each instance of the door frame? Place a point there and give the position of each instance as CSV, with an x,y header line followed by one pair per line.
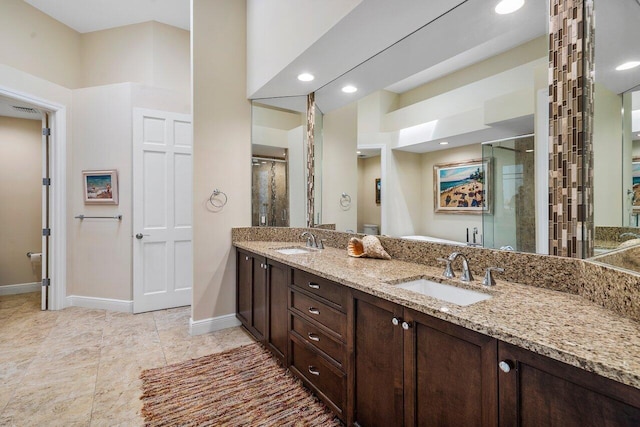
x,y
57,192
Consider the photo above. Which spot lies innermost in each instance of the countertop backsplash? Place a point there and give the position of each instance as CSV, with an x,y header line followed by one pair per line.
x,y
609,287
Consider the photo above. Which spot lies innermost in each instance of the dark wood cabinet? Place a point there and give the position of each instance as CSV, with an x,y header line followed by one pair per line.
x,y
319,316
261,300
538,391
378,365
244,285
412,369
278,277
450,374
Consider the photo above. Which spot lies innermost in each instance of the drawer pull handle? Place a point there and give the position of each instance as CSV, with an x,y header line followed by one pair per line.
x,y
313,370
314,285
314,310
313,337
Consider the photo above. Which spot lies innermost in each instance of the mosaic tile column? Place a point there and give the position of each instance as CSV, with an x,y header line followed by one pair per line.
x,y
311,121
571,41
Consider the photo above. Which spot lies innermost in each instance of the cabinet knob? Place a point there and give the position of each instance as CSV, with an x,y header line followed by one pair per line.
x,y
246,258
505,366
314,285
261,265
313,337
406,325
314,310
313,370
396,321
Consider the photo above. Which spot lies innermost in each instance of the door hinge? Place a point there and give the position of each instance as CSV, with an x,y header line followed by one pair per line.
x,y
46,282
46,232
46,181
46,131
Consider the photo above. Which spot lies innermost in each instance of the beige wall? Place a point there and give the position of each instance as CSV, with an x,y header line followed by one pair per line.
x,y
150,53
445,225
222,149
368,209
340,171
101,256
21,194
38,44
607,158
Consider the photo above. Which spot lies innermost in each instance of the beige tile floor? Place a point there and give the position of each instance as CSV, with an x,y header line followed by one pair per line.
x,y
80,367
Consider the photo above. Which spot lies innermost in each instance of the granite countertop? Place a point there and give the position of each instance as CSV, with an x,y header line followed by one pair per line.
x,y
559,325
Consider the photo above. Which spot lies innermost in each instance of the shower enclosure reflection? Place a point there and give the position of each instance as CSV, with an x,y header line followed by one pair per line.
x,y
512,223
270,196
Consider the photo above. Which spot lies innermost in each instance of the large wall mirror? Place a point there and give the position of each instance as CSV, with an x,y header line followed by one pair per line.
x,y
617,134
425,108
279,170
430,102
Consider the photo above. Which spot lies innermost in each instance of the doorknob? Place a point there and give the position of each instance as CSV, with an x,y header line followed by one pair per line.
x,y
140,236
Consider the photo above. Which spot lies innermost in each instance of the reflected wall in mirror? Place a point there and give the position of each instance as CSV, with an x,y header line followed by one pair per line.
x,y
279,162
401,132
413,111
278,127
616,127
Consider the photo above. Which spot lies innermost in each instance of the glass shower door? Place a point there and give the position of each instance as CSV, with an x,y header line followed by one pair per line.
x,y
270,201
512,221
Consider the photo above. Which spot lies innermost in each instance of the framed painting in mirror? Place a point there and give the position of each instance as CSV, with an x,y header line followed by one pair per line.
x,y
462,187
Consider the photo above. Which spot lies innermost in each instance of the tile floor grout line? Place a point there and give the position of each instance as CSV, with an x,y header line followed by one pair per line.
x,y
95,384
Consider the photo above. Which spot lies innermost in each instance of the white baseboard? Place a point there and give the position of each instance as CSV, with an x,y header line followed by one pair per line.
x,y
100,303
212,324
20,288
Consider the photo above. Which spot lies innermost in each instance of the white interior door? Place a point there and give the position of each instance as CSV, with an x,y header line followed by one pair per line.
x,y
162,213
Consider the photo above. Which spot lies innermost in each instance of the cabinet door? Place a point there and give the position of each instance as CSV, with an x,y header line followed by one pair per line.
x,y
539,391
259,300
450,374
278,276
378,396
244,279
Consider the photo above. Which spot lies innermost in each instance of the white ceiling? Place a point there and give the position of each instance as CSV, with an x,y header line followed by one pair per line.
x,y
85,16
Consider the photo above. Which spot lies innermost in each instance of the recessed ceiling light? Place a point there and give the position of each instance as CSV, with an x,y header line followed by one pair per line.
x,y
508,6
305,77
444,143
358,152
627,65
349,89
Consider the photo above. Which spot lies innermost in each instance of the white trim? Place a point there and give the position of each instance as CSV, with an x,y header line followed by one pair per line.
x,y
58,193
212,324
20,288
100,303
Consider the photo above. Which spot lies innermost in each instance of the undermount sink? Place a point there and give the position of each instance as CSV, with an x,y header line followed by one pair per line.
x,y
295,251
444,292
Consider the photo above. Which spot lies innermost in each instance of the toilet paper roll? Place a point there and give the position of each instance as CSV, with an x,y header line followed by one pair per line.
x,y
35,258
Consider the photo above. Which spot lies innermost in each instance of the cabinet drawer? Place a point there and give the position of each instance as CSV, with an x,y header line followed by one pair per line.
x,y
315,337
322,287
317,371
322,313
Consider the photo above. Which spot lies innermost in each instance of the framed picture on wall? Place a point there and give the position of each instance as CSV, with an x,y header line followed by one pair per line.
x,y
100,187
635,173
462,187
378,186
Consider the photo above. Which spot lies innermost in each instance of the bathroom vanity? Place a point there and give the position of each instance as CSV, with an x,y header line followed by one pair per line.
x,y
378,354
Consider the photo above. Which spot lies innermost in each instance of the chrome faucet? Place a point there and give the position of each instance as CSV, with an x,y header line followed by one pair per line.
x,y
466,275
312,240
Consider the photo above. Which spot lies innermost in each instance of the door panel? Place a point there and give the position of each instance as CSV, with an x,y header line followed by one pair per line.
x,y
162,210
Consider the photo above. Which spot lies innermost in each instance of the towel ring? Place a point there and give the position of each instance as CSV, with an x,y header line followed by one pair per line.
x,y
216,201
345,200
